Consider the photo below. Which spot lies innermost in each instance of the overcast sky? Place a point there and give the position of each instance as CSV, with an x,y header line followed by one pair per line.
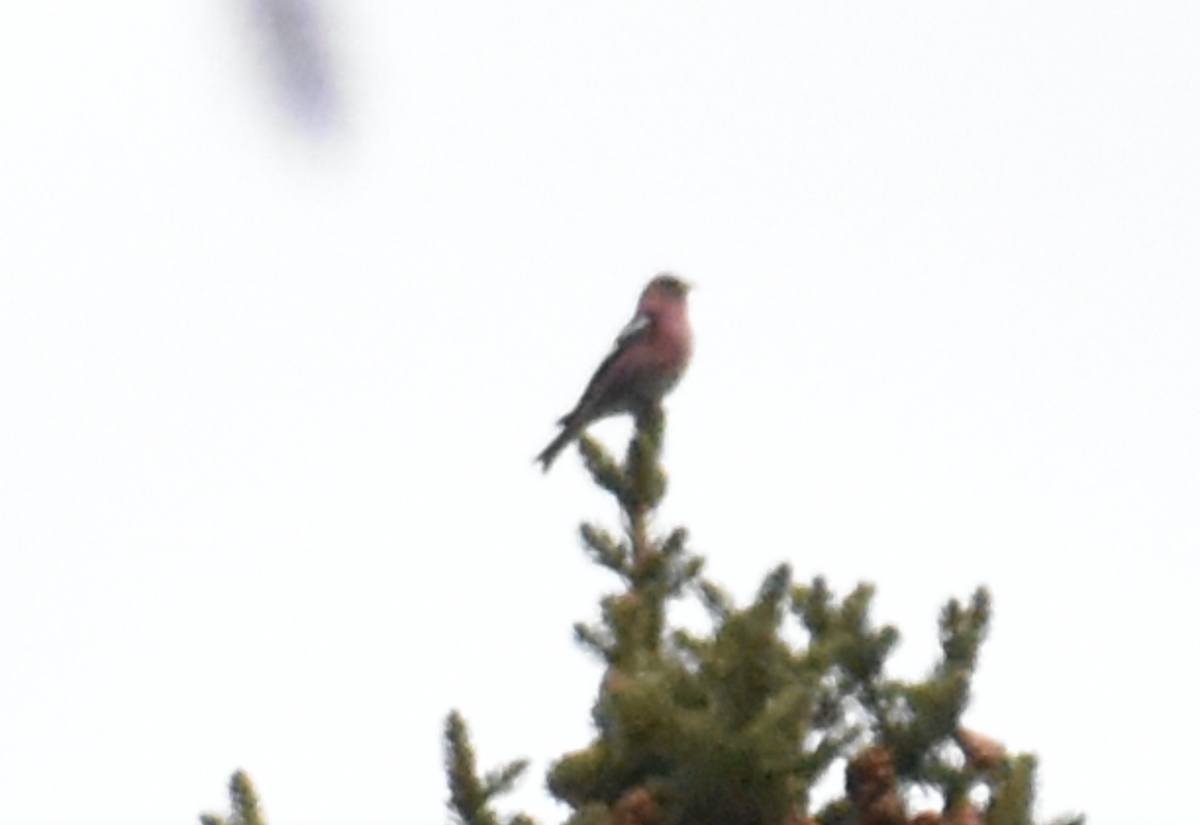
x,y
273,372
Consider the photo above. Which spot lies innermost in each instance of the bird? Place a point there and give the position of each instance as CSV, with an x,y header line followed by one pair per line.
x,y
647,360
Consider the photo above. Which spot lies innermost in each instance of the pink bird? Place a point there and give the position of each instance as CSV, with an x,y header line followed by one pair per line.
x,y
646,362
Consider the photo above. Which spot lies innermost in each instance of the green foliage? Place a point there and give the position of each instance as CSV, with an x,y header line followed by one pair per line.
x,y
1014,799
243,802
735,727
470,796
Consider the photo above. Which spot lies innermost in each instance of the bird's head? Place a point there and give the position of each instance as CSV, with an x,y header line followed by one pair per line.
x,y
668,286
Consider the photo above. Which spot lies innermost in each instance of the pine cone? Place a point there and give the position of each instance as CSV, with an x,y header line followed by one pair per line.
x,y
981,752
871,786
636,807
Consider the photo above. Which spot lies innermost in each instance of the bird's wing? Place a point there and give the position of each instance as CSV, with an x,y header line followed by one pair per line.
x,y
632,332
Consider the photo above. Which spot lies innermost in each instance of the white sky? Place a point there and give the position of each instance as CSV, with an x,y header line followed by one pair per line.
x,y
270,404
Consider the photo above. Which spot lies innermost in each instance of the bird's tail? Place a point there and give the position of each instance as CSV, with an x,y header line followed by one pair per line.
x,y
547,456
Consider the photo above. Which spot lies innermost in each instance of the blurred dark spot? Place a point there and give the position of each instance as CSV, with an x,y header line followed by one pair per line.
x,y
298,50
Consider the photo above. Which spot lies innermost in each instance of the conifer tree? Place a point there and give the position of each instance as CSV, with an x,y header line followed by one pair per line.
x,y
737,726
243,803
